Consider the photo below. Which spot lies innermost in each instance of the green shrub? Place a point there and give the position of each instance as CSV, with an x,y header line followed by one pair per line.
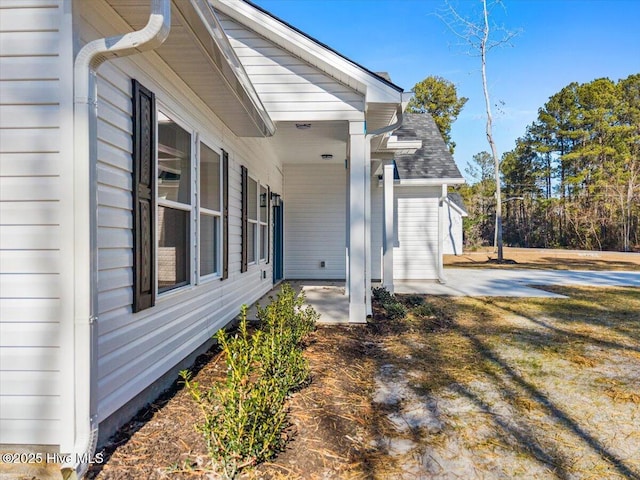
x,y
382,295
245,415
395,310
284,323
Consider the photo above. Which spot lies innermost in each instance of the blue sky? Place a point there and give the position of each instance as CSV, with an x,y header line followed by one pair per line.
x,y
560,41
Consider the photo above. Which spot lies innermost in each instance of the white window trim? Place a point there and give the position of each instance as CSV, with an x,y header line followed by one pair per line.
x,y
262,222
211,213
255,222
176,118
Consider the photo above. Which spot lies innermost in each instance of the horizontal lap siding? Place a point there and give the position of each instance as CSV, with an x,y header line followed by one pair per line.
x,y
289,87
34,275
376,229
134,350
416,252
315,203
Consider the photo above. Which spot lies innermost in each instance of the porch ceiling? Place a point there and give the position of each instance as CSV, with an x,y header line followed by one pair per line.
x,y
307,145
198,56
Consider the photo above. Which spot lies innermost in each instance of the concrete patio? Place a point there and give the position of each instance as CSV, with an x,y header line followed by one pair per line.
x,y
329,300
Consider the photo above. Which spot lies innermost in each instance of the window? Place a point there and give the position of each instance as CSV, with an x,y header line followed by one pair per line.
x,y
210,211
264,208
255,221
180,187
252,220
174,204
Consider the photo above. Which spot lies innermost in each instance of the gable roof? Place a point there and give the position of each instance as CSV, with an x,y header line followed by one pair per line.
x,y
432,162
376,88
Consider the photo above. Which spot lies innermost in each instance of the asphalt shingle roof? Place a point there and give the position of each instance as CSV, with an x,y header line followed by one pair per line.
x,y
457,200
433,160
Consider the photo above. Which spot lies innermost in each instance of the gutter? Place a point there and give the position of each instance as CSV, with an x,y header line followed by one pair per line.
x,y
85,148
367,206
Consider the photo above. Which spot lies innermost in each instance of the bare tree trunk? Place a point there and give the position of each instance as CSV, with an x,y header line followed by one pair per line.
x,y
489,129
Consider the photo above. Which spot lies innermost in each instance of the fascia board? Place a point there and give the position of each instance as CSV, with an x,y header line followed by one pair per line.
x,y
324,59
427,182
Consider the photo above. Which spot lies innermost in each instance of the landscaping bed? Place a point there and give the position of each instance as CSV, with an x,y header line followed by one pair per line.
x,y
458,388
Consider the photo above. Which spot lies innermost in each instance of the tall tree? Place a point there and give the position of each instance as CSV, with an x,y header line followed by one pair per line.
x,y
477,35
438,97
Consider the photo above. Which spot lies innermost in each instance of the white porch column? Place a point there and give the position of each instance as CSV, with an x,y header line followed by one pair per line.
x,y
441,232
367,226
357,222
388,227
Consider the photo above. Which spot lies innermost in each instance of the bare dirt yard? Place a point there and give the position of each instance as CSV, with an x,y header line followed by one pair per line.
x,y
489,388
546,258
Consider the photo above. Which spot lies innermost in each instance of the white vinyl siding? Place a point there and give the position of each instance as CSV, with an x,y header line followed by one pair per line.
x,y
315,205
134,350
290,88
453,231
35,274
415,256
376,229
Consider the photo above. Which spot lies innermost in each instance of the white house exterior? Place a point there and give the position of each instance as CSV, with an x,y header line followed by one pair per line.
x,y
161,163
453,214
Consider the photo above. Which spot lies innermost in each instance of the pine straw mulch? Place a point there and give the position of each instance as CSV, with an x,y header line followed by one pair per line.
x,y
460,388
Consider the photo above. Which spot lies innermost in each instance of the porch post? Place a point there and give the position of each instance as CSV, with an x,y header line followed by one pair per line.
x,y
357,222
441,232
388,227
367,225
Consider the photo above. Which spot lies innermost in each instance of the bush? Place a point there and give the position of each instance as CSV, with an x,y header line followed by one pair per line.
x,y
382,295
395,310
392,307
246,414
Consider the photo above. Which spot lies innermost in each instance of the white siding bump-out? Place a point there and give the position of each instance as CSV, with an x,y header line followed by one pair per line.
x,y
35,252
416,254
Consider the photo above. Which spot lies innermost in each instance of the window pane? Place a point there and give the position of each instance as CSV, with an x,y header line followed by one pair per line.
x,y
173,248
252,198
208,245
263,242
251,243
264,201
174,161
209,178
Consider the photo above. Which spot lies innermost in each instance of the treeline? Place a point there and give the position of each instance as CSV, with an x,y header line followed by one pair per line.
x,y
573,179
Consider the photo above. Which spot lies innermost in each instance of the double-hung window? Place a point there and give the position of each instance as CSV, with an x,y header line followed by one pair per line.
x,y
180,203
175,204
252,220
264,209
210,195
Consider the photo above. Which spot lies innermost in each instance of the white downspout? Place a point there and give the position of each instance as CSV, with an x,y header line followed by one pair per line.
x,y
370,135
87,61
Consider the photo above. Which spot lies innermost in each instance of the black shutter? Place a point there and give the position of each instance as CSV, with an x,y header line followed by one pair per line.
x,y
243,169
144,121
225,215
